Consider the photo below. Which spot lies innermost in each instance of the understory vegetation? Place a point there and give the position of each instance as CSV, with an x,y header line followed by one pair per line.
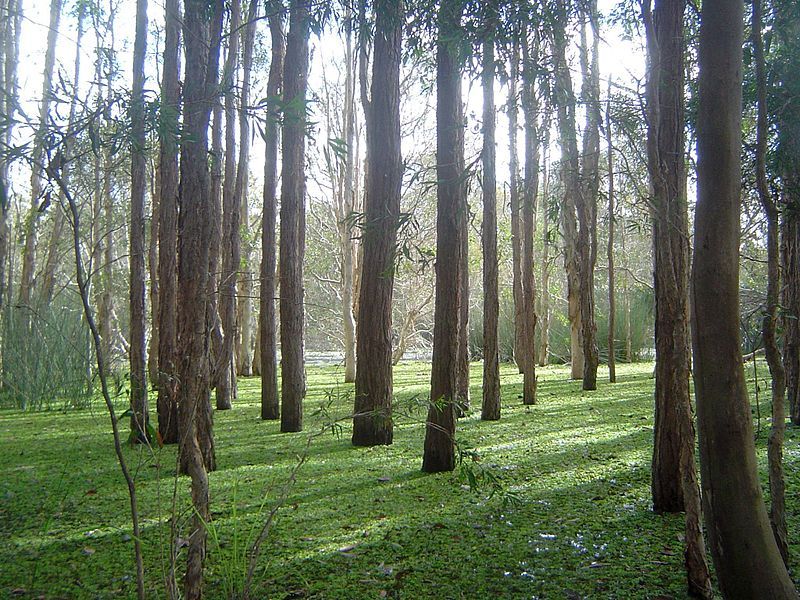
x,y
552,501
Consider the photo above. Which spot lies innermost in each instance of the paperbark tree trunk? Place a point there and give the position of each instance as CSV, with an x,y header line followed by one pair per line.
x,y
231,212
746,557
270,406
372,424
202,26
167,406
293,217
490,405
439,451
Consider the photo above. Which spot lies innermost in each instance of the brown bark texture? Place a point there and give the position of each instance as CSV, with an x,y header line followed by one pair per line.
x,y
270,405
439,448
490,405
372,423
746,557
293,217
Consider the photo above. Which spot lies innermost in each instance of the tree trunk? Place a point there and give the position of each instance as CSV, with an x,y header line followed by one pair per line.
x,y
270,407
245,338
674,478
612,301
777,485
293,218
586,201
790,227
166,403
138,314
746,557
529,200
439,452
202,62
231,212
490,406
544,298
513,184
152,272
568,141
372,424
32,220
462,383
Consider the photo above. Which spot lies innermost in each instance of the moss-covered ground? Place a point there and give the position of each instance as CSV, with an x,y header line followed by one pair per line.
x,y
570,519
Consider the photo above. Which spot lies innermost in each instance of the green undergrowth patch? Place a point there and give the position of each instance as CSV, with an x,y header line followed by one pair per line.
x,y
552,501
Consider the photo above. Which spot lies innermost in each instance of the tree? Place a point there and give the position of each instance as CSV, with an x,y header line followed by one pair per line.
x,y
439,452
612,303
270,407
293,217
674,479
231,237
201,31
746,557
166,404
490,406
138,361
372,423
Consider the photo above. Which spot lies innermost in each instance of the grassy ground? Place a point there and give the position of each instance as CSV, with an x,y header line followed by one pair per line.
x,y
365,523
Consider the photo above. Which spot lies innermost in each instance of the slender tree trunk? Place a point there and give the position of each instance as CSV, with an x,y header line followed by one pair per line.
x,y
586,201
439,452
777,485
372,424
32,220
293,217
462,384
544,297
565,105
220,375
746,557
612,300
152,272
202,28
245,338
167,405
514,185
231,212
529,200
138,315
490,406
270,407
626,298
790,227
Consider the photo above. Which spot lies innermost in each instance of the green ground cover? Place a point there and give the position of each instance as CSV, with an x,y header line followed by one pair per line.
x,y
571,519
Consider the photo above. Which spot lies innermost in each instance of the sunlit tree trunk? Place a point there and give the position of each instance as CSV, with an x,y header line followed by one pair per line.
x,y
544,296
612,298
372,424
268,343
439,451
293,217
746,558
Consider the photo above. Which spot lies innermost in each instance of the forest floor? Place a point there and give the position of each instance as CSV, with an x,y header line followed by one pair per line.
x,y
555,504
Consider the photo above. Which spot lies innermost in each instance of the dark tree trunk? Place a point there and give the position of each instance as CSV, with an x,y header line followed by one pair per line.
x,y
293,217
777,485
790,229
138,360
674,478
439,453
167,405
746,557
514,185
202,28
529,200
490,406
231,239
270,406
372,423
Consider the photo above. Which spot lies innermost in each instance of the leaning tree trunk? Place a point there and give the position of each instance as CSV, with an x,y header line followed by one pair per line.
x,y
372,423
244,351
674,477
270,406
777,485
490,406
166,403
231,235
138,314
202,61
746,557
293,217
439,452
